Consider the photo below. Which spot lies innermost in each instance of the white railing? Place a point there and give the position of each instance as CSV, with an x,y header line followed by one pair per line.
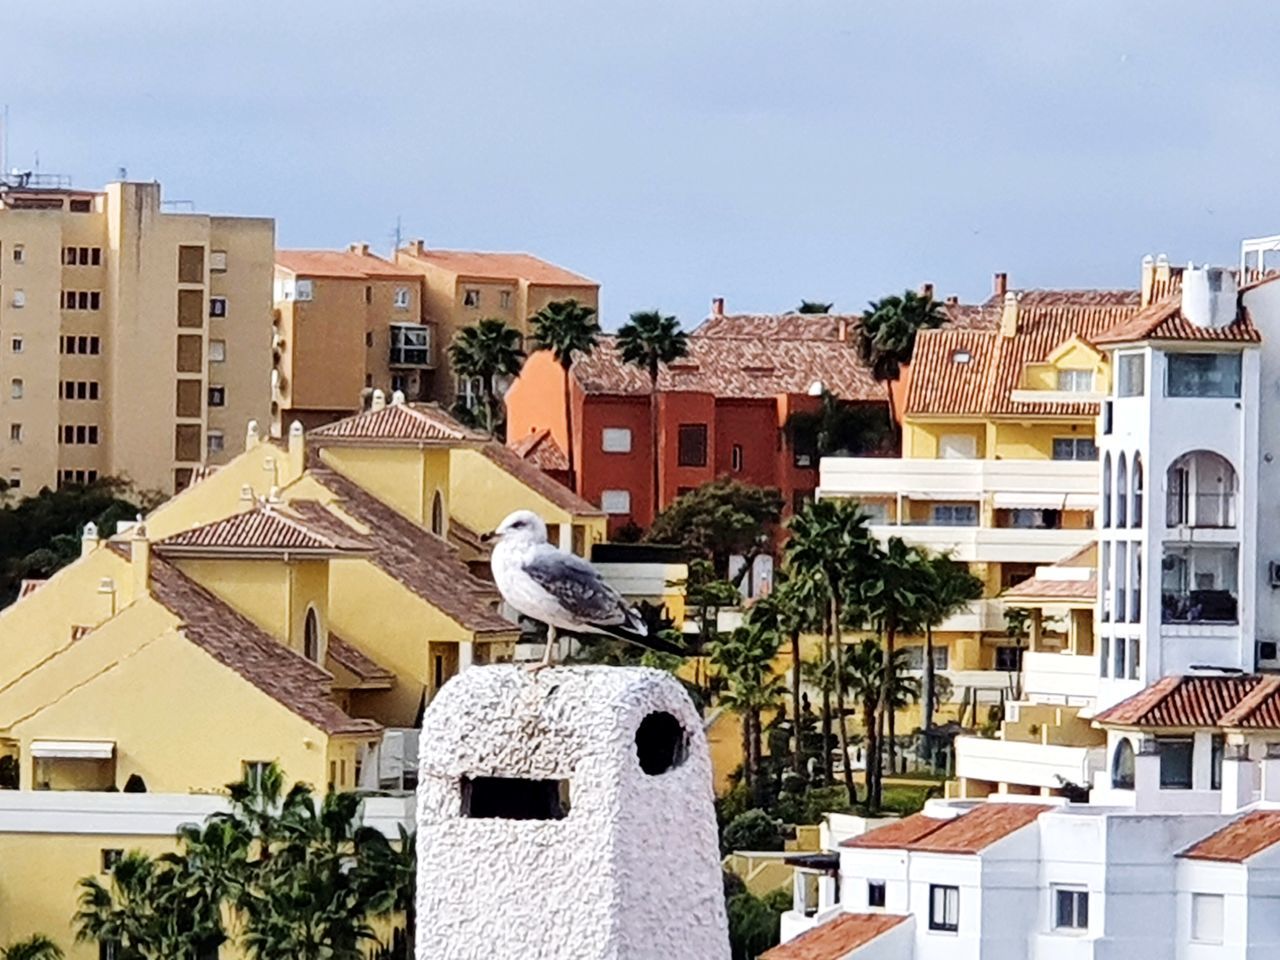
x,y
956,479
991,544
1021,762
1071,677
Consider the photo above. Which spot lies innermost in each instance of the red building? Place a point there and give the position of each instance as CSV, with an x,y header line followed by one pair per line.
x,y
722,411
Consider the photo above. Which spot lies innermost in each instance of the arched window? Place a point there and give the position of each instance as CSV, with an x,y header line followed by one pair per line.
x,y
1122,492
1202,491
311,636
1137,491
1106,490
437,515
1122,766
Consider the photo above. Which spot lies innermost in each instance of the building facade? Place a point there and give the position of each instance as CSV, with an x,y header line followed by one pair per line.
x,y
136,339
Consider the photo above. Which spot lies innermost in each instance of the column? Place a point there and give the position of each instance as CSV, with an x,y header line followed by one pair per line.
x,y
466,654
565,537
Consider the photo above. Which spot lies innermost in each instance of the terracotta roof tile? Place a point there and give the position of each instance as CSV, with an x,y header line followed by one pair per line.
x,y
531,476
1163,320
1190,701
266,529
418,559
290,679
364,668
541,449
398,423
970,832
1043,587
1239,840
340,264
836,938
500,266
778,326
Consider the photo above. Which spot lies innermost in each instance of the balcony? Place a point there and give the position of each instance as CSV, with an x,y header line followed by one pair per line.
x,y
1199,584
1201,487
1027,763
410,345
1060,677
990,544
1214,511
1042,484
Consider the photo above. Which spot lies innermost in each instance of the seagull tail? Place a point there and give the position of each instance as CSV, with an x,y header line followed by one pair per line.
x,y
646,640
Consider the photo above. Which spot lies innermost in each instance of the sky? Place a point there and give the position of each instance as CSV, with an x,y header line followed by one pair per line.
x,y
764,151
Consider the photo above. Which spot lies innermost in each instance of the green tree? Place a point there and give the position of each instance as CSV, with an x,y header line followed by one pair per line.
x,y
838,429
753,831
386,877
829,544
721,519
744,660
566,328
886,335
35,947
949,589
791,610
753,925
650,341
815,306
487,350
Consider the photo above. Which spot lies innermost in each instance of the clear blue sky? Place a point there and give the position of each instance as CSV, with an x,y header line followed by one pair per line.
x,y
760,150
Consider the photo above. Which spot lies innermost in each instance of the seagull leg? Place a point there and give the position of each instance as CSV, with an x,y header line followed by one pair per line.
x,y
548,655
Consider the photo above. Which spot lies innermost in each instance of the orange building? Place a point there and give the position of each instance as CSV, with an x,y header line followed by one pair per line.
x,y
722,411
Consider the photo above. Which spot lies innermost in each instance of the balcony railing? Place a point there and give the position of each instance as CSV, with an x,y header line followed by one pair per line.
x,y
1199,606
1214,510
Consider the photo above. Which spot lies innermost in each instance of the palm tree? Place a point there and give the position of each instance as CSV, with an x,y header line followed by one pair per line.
x,y
745,661
840,429
829,543
122,912
887,335
950,589
487,350
649,341
814,306
386,874
35,947
790,610
566,327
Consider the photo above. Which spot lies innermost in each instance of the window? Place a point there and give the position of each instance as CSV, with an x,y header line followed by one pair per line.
x,y
15,478
311,636
471,298
1206,917
1122,493
217,306
957,446
615,502
735,459
1176,756
109,858
255,771
944,908
875,893
1107,492
15,432
69,256
19,253
399,383
15,388
16,344
1074,448
1070,908
615,440
504,299
368,338
437,514
79,206
410,345
1131,378
217,396
217,351
692,445
915,658
1217,745
1122,765
214,441
955,515
1202,375
302,290
1075,381
402,298
217,261
1104,650
19,298
1009,659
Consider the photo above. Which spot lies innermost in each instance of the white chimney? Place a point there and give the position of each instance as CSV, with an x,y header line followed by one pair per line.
x,y
1237,777
252,435
1271,773
1209,296
378,401
89,540
397,398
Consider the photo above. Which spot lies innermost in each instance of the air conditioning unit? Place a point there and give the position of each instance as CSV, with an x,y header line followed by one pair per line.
x,y
1273,573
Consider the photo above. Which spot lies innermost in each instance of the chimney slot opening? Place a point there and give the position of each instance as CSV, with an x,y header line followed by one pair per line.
x,y
661,743
514,798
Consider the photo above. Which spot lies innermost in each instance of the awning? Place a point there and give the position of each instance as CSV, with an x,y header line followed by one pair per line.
x,y
1028,501
1081,501
73,749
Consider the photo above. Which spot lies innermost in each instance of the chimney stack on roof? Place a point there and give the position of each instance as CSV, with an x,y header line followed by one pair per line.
x,y
397,398
1148,278
926,290
1209,297
361,248
1162,268
297,451
89,540
252,435
717,307
1271,774
999,284
842,329
953,301
140,560
417,247
247,499
1009,314
378,400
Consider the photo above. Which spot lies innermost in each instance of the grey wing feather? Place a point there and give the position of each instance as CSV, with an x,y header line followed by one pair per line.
x,y
577,586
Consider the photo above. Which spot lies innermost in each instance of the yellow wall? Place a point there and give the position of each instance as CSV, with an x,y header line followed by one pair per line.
x,y
405,478
1019,441
920,437
481,494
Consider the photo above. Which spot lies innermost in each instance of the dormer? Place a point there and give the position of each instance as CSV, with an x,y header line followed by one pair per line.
x,y
1074,372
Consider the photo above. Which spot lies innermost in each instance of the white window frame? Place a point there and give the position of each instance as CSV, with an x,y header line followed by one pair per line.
x,y
1200,901
402,298
19,299
616,503
15,344
217,386
504,299
1073,927
303,289
1075,381
211,445
948,920
952,508
16,388
615,440
471,298
217,351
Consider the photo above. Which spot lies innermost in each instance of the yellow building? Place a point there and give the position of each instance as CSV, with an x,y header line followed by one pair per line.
x,y
347,322
461,287
300,605
133,336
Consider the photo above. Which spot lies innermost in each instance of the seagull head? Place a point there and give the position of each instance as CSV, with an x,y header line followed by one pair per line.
x,y
523,525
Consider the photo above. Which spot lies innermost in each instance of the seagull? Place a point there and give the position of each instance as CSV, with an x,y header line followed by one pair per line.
x,y
560,589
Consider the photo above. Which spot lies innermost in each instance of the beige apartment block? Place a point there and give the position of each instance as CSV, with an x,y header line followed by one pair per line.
x,y
347,322
461,287
134,341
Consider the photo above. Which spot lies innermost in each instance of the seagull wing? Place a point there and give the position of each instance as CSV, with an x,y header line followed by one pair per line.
x,y
579,589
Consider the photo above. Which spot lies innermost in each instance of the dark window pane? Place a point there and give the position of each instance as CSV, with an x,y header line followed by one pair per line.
x,y
692,445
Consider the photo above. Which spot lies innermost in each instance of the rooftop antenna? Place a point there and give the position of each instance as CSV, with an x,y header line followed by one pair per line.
x,y
122,173
4,143
399,236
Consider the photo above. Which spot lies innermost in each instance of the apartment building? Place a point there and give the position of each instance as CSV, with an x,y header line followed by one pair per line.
x,y
460,287
347,322
136,339
723,410
999,460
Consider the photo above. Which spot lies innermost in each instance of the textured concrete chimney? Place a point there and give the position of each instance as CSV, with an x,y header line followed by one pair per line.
x,y
926,290
1009,315
361,248
999,284
417,247
297,451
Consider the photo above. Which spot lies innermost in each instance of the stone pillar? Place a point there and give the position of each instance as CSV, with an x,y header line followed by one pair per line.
x,y
466,654
1146,776
1237,777
565,537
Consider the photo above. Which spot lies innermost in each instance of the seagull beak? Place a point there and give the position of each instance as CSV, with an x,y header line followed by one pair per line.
x,y
488,537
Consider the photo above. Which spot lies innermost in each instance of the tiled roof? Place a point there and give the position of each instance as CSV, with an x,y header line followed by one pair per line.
x,y
500,266
1043,587
970,832
984,385
736,367
266,529
541,449
290,679
1244,701
1239,840
778,326
398,423
532,476
419,560
362,667
1163,320
836,938
339,263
